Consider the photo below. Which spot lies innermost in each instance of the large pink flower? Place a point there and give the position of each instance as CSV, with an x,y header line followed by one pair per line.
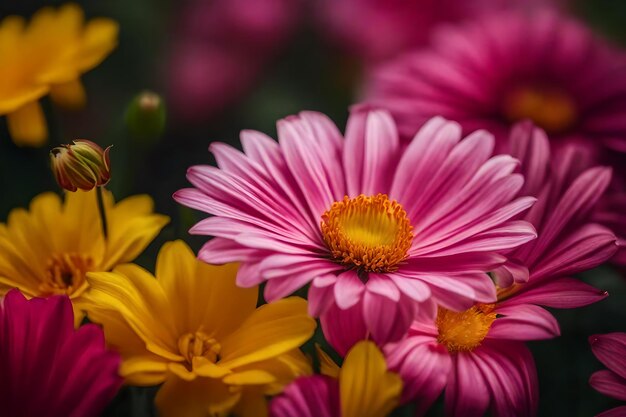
x,y
505,67
364,222
47,367
610,349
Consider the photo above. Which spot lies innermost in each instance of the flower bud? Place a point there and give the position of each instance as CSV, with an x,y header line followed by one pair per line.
x,y
82,165
145,116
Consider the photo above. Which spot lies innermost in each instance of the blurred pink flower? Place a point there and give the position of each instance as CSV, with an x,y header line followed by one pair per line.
x,y
610,349
47,367
220,48
367,223
505,67
375,30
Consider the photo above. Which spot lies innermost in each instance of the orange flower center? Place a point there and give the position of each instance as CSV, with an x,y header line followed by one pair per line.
x,y
65,273
198,344
372,234
550,109
465,330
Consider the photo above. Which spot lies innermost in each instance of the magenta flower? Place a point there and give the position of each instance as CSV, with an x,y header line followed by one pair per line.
x,y
610,349
47,367
366,224
507,67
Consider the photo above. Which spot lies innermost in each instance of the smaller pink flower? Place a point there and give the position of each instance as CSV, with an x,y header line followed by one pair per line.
x,y
610,349
48,368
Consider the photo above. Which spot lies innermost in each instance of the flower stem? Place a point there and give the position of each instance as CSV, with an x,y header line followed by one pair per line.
x,y
103,215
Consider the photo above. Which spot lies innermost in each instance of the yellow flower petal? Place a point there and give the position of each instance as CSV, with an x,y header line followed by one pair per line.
x,y
366,388
70,95
181,371
204,367
271,330
136,296
132,226
197,398
252,404
144,370
328,367
27,125
99,39
251,377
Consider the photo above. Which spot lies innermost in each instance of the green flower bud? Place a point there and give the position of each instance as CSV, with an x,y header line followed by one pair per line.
x,y
145,117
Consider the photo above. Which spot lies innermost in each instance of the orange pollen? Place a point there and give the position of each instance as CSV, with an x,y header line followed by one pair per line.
x,y
548,108
65,273
464,331
198,344
372,234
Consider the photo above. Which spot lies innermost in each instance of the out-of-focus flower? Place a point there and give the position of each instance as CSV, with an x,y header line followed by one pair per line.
x,y
393,232
196,332
363,387
47,56
49,249
610,349
47,367
220,49
83,165
491,73
145,116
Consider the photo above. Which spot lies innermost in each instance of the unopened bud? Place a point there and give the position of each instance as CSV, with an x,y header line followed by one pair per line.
x,y
83,165
145,116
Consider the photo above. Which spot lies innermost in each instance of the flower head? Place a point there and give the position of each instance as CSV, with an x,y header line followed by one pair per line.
x,y
47,367
82,165
370,226
47,56
538,65
610,349
196,332
49,249
363,387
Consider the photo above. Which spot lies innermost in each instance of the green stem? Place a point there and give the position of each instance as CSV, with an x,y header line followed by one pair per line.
x,y
103,215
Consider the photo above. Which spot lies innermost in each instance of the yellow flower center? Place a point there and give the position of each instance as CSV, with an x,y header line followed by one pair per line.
x,y
372,234
548,108
198,344
465,330
65,273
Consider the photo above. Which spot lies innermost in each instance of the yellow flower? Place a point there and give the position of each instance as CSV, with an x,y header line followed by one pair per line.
x,y
366,387
194,330
49,249
47,56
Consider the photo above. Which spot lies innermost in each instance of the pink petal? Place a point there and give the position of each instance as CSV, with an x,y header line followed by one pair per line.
x,y
343,328
559,293
614,412
610,349
321,295
386,320
310,396
382,284
609,384
348,289
523,322
467,394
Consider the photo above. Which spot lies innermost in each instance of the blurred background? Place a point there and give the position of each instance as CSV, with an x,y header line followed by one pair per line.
x,y
226,65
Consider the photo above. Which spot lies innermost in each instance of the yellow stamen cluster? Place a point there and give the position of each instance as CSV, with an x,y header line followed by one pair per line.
x,y
198,344
65,273
372,234
465,330
550,109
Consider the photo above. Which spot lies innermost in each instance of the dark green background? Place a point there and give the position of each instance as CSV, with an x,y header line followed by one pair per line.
x,y
308,75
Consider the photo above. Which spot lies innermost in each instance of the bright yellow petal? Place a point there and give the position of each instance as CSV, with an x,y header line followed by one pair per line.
x,y
273,329
132,226
82,227
70,95
144,370
134,293
99,39
27,125
204,367
197,398
366,387
327,365
251,377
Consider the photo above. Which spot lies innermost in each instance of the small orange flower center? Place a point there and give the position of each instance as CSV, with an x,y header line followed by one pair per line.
x,y
548,108
65,273
372,234
465,330
198,344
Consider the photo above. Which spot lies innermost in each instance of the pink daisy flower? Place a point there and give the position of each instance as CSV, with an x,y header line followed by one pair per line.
x,y
507,67
47,367
365,224
610,349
